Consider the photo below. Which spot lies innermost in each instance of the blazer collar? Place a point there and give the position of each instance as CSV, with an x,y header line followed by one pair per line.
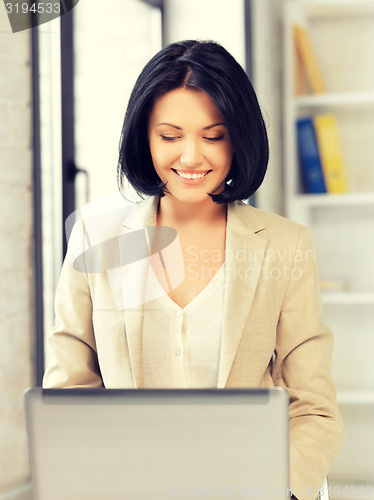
x,y
143,214
245,249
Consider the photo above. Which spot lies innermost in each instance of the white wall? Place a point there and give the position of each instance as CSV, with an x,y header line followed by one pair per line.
x,y
219,20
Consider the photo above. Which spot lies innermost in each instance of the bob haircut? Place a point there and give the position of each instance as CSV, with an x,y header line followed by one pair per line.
x,y
206,66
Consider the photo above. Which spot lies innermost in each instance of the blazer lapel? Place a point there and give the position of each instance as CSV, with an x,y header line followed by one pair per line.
x,y
245,250
144,215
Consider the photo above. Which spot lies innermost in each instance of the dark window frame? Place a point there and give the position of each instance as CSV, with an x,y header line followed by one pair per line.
x,y
37,215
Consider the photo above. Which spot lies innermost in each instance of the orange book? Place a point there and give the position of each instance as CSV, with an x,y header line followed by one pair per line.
x,y
309,60
301,86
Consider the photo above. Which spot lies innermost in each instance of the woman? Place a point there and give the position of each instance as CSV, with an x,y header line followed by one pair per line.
x,y
235,302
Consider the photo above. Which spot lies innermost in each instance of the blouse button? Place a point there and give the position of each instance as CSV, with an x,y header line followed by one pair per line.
x,y
178,352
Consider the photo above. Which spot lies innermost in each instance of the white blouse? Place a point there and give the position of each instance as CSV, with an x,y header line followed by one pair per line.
x,y
188,343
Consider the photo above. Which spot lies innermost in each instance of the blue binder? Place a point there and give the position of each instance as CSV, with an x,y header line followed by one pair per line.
x,y
310,161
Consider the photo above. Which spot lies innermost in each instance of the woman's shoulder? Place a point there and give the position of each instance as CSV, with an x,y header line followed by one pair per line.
x,y
107,217
280,232
274,227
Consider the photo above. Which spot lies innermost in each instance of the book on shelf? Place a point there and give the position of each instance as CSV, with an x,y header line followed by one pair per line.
x,y
331,154
309,157
320,154
309,61
301,85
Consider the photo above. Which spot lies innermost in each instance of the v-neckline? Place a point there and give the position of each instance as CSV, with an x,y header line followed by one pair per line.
x,y
201,293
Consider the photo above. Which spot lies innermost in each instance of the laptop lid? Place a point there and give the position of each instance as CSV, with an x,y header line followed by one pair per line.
x,y
109,444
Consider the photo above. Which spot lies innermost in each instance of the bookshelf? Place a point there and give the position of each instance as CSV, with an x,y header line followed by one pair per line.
x,y
342,34
334,100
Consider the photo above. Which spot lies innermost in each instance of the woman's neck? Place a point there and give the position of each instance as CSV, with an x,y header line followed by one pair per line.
x,y
173,212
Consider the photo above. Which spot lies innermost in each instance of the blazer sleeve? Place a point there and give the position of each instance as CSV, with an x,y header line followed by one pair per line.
x,y
302,365
71,351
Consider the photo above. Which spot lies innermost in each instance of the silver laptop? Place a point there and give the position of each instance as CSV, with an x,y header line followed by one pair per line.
x,y
109,444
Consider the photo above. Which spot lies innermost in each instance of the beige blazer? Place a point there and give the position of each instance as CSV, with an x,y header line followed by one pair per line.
x,y
272,330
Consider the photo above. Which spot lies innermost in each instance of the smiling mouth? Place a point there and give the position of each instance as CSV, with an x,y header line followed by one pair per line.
x,y
191,175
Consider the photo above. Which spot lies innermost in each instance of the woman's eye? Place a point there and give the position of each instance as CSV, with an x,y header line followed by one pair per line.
x,y
214,139
169,138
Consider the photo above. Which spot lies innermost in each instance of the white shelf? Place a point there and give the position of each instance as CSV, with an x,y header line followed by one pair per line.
x,y
334,100
327,8
355,398
343,224
325,200
348,298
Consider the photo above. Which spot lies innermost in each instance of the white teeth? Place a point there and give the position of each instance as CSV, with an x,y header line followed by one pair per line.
x,y
190,176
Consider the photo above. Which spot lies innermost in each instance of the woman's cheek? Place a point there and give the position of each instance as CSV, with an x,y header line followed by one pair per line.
x,y
165,157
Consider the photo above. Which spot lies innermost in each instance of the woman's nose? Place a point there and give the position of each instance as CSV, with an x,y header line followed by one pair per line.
x,y
191,155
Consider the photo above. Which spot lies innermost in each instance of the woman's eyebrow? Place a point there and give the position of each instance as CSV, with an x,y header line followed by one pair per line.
x,y
214,125
179,128
169,125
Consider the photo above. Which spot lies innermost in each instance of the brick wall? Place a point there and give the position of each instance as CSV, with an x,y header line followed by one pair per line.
x,y
16,254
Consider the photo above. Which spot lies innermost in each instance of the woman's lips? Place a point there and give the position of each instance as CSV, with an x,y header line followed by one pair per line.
x,y
191,176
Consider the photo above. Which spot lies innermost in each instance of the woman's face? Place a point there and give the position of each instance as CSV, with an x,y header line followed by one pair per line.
x,y
189,144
